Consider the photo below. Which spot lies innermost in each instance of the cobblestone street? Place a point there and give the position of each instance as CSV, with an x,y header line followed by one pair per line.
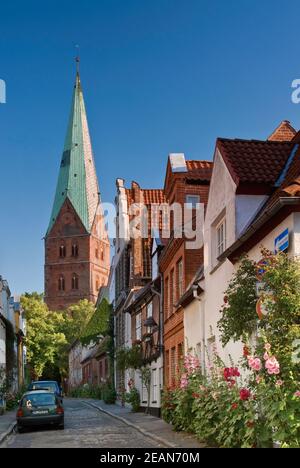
x,y
85,427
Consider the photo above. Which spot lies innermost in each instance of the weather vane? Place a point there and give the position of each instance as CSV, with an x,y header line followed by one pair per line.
x,y
77,58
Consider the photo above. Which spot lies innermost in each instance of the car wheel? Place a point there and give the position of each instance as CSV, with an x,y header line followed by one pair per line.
x,y
20,429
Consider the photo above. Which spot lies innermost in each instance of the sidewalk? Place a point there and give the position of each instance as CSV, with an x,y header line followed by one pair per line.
x,y
149,425
7,422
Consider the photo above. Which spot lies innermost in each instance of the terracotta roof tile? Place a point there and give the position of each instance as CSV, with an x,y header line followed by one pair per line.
x,y
153,196
200,169
254,161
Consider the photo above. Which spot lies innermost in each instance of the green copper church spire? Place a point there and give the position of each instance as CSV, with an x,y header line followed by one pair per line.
x,y
77,178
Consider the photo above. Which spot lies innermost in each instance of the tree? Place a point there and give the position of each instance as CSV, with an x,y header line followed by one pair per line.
x,y
98,324
75,320
44,336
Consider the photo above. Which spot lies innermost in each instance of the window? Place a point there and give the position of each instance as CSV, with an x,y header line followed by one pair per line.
x,y
172,301
167,297
221,237
173,365
61,283
211,343
97,284
149,313
97,253
154,386
192,201
74,250
180,278
62,251
138,326
179,357
199,351
161,378
75,282
167,362
102,253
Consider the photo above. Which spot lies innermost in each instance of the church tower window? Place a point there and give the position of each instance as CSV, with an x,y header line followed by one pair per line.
x,y
75,250
61,283
75,281
62,251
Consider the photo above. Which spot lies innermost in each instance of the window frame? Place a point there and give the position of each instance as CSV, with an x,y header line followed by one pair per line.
x,y
194,204
220,242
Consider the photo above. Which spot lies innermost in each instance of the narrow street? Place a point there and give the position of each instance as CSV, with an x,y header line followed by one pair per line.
x,y
85,427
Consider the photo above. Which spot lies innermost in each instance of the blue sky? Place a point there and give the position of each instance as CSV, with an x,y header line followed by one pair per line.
x,y
159,76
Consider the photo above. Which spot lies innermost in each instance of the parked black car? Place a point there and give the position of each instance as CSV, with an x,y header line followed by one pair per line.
x,y
40,407
50,385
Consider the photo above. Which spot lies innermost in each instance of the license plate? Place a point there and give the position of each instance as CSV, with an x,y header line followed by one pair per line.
x,y
40,412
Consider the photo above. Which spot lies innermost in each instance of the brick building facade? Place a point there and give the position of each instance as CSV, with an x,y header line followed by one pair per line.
x,y
77,251
185,182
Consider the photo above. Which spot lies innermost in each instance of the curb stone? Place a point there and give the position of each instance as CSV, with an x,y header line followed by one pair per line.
x,y
161,440
8,432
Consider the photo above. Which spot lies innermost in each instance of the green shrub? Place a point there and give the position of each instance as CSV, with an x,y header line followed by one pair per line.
x,y
109,394
133,397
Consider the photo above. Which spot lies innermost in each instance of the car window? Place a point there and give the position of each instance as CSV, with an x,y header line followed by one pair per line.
x,y
44,386
38,399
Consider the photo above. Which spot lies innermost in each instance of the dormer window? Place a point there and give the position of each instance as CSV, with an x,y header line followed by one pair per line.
x,y
61,283
62,251
75,281
74,250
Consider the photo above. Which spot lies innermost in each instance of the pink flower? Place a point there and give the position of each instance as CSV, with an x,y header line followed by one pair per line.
x,y
254,363
267,346
191,363
279,383
258,379
297,394
266,356
272,366
184,381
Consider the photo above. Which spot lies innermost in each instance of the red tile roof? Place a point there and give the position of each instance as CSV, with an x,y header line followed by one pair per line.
x,y
153,196
199,169
254,161
284,132
290,186
150,196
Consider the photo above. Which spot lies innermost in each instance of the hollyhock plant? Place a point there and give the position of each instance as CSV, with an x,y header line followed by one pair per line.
x,y
229,372
297,394
279,383
254,363
272,366
245,394
191,364
184,381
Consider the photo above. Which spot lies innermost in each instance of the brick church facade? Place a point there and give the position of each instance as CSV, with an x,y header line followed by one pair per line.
x,y
77,250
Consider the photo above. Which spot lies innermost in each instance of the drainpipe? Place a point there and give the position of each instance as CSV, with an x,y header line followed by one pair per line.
x,y
201,306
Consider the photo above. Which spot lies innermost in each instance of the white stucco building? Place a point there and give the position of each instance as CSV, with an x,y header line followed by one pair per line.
x,y
254,198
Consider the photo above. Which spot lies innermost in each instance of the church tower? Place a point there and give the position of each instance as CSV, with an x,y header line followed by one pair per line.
x,y
77,255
